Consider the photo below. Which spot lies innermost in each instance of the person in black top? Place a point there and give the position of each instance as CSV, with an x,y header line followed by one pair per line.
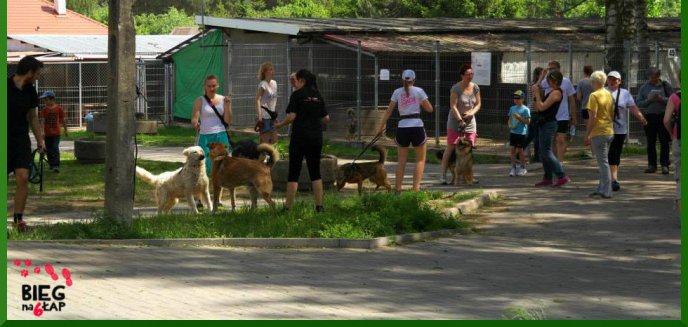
x,y
547,127
306,110
22,113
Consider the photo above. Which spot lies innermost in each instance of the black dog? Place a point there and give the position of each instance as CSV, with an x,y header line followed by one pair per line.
x,y
246,149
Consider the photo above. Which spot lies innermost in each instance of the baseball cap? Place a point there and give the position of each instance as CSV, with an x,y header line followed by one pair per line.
x,y
408,75
47,94
519,94
614,74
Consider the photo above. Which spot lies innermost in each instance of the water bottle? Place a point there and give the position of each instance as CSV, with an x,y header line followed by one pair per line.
x,y
572,131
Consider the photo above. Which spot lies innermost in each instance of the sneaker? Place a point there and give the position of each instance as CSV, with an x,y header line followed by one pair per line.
x,y
665,170
616,186
512,173
562,181
651,170
522,171
443,180
544,182
594,194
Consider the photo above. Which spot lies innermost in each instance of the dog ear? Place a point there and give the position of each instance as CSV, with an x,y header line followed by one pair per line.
x,y
186,152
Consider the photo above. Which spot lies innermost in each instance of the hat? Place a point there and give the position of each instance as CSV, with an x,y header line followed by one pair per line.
x,y
408,75
614,74
519,94
47,94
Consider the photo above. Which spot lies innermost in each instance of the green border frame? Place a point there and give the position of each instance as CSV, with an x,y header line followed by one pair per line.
x,y
3,243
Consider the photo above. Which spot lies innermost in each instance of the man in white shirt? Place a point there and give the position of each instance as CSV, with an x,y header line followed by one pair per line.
x,y
567,115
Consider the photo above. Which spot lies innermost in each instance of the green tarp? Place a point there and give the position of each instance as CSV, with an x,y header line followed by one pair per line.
x,y
191,65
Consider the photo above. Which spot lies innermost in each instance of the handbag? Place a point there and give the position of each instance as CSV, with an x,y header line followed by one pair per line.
x,y
222,120
273,114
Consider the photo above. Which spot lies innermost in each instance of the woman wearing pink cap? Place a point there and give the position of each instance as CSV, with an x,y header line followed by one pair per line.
x,y
410,130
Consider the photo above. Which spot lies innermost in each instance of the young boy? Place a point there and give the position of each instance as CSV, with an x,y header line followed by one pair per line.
x,y
519,118
53,119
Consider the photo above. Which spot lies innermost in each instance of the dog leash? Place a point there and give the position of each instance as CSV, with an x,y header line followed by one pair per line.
x,y
36,168
370,144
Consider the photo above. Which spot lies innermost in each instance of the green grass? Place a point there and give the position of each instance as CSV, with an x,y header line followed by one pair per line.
x,y
82,186
168,136
368,216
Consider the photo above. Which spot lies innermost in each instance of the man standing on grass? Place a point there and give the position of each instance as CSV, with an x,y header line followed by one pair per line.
x,y
22,112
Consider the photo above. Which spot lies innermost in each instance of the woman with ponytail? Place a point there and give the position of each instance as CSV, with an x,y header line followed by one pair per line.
x,y
410,130
306,110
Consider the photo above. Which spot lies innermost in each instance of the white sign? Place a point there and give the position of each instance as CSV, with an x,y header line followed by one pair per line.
x,y
384,74
481,62
671,53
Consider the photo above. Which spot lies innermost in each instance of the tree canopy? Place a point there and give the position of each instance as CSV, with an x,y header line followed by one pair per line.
x,y
161,16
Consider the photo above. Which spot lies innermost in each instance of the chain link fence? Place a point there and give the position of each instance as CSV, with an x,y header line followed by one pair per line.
x,y
349,79
81,87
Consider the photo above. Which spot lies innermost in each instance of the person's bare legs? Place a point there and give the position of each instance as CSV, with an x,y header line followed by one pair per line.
x,y
401,167
560,142
318,192
291,193
21,193
420,166
445,159
615,172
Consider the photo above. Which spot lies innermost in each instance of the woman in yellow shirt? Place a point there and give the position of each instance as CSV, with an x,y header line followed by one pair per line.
x,y
600,131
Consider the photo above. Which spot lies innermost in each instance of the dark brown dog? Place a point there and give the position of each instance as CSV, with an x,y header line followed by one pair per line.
x,y
358,172
460,162
231,172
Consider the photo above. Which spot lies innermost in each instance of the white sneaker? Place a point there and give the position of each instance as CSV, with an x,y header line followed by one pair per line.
x,y
512,173
443,180
522,172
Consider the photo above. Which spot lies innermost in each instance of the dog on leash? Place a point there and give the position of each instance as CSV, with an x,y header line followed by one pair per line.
x,y
231,172
460,162
188,182
358,172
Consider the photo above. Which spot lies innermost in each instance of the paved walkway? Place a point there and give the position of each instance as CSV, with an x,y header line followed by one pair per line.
x,y
544,249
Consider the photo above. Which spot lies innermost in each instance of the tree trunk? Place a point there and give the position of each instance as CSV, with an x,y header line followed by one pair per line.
x,y
620,24
119,164
644,61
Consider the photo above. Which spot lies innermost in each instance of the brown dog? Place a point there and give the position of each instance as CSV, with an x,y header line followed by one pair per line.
x,y
463,167
358,172
231,172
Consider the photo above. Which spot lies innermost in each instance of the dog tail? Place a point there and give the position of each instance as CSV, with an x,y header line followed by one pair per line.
x,y
382,151
272,153
146,176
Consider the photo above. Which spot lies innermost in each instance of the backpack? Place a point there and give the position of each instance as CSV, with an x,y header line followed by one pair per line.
x,y
676,118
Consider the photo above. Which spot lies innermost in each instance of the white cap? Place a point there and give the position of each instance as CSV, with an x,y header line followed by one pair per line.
x,y
408,75
614,74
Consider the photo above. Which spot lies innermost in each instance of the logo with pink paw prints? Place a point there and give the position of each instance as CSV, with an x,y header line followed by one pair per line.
x,y
43,298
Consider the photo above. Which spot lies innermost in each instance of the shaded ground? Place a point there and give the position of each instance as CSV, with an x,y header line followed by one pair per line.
x,y
557,250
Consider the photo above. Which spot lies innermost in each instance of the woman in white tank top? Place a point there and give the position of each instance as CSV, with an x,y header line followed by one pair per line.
x,y
206,122
266,104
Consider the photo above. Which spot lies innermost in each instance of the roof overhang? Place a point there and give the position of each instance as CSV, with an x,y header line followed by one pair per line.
x,y
249,25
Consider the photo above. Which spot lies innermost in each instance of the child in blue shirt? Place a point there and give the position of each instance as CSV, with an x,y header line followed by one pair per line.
x,y
519,118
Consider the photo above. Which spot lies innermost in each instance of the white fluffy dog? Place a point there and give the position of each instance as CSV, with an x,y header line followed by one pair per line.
x,y
187,182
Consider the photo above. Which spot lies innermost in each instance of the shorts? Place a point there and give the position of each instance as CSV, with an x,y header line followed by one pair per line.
x,y
18,153
454,136
407,136
517,140
268,126
562,126
615,149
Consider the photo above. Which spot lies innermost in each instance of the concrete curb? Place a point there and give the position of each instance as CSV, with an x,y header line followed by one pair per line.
x,y
472,205
341,243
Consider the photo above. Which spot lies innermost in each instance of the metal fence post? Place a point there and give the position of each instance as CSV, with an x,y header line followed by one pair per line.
x,y
529,67
377,81
628,49
166,99
657,54
310,57
358,87
571,61
81,98
286,87
437,92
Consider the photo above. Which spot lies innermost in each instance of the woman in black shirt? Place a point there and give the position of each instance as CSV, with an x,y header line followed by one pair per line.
x,y
306,110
